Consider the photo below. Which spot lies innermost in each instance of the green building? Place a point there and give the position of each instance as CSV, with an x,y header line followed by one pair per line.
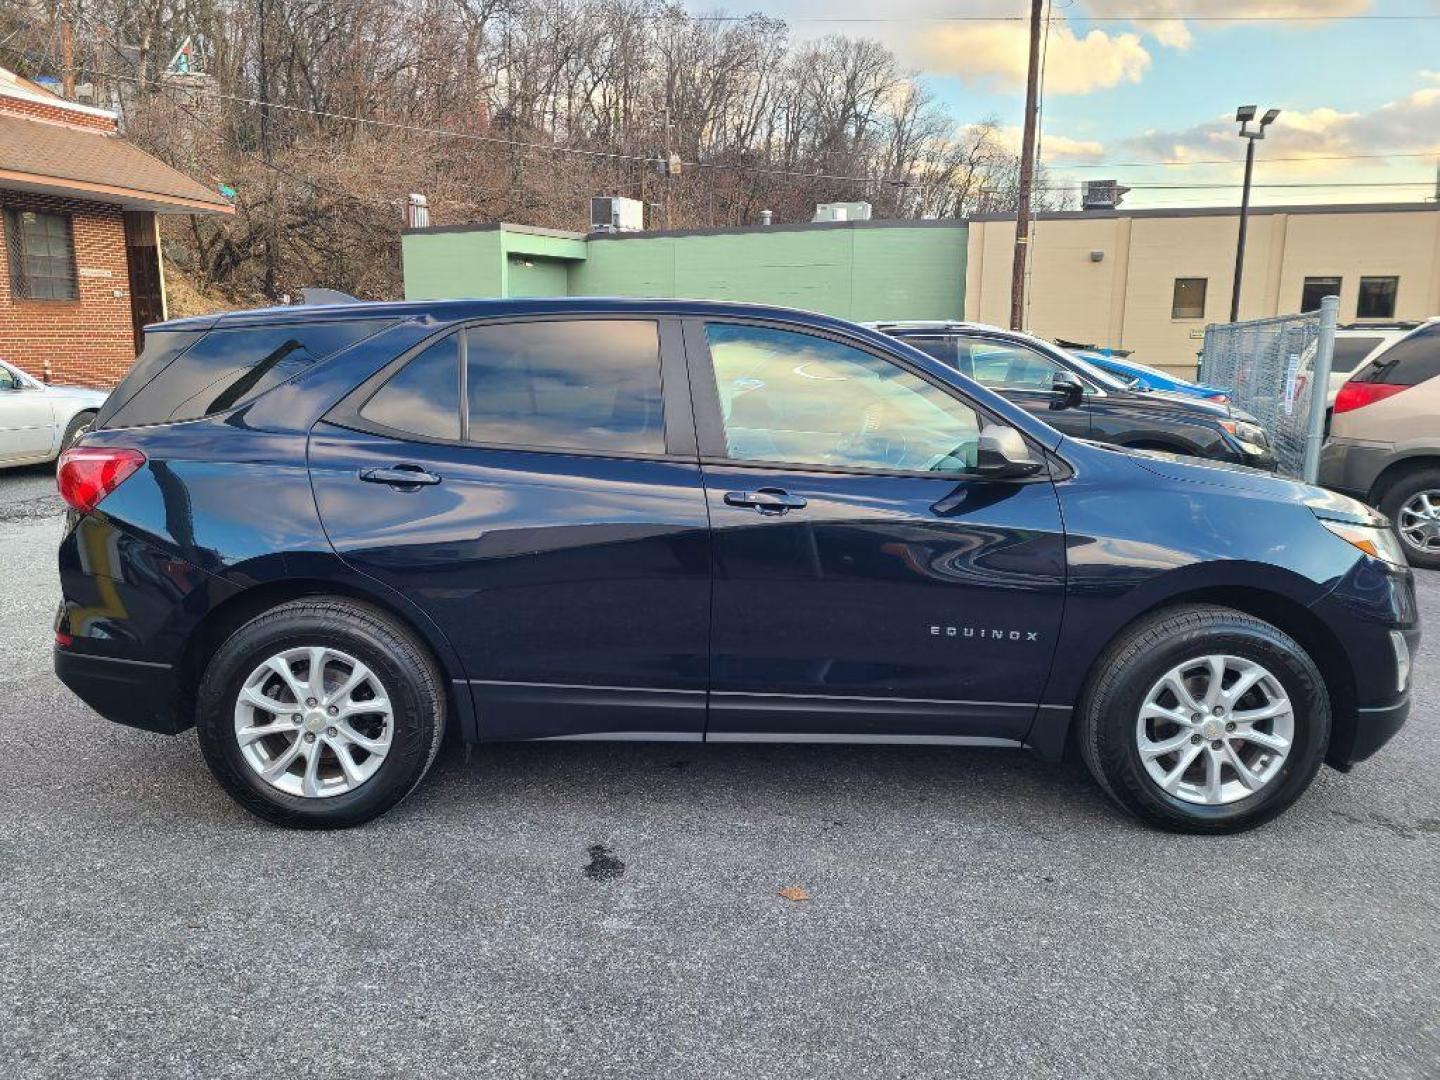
x,y
858,270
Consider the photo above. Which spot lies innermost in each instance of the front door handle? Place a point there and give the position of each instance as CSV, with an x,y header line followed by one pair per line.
x,y
766,500
400,476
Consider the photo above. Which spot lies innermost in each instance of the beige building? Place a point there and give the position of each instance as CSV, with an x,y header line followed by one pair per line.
x,y
1150,280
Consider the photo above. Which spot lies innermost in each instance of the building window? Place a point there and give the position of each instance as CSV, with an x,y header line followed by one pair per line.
x,y
1377,298
1189,299
42,255
1315,290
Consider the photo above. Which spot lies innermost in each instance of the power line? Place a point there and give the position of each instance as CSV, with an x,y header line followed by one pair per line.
x,y
1152,17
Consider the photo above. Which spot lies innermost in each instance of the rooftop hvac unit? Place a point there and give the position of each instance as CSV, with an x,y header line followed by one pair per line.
x,y
842,211
610,213
1103,194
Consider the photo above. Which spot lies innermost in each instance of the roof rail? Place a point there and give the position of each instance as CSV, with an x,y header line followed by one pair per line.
x,y
312,296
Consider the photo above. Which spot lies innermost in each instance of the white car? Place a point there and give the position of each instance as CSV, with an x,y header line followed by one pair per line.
x,y
39,421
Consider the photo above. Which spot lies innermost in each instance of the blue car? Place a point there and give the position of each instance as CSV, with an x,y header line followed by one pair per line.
x,y
325,535
1151,378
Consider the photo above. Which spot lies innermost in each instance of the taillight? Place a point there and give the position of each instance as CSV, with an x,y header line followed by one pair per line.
x,y
1356,395
1219,399
88,473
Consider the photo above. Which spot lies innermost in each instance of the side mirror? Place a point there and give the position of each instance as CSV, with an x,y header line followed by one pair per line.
x,y
1066,391
1003,454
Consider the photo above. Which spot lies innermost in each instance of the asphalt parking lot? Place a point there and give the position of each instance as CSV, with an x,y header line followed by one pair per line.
x,y
587,911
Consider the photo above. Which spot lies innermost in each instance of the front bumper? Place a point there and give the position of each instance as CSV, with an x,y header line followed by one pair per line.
x,y
1372,729
137,693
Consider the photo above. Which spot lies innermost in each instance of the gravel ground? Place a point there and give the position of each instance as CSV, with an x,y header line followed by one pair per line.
x,y
612,911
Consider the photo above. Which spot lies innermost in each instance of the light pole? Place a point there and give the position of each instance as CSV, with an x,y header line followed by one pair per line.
x,y
1243,115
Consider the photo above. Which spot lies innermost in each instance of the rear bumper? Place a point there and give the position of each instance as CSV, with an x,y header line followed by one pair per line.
x,y
1353,467
133,692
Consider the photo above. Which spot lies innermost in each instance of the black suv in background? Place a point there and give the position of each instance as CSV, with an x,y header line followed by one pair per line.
x,y
1079,399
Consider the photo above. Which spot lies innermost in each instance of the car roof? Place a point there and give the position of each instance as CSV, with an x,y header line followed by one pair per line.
x,y
446,311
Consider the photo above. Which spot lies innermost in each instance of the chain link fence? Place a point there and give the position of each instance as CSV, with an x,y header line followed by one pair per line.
x,y
1269,367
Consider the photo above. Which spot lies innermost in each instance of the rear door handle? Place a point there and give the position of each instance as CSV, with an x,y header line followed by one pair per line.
x,y
766,500
401,476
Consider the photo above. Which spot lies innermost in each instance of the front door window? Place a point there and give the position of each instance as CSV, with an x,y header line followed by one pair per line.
x,y
796,398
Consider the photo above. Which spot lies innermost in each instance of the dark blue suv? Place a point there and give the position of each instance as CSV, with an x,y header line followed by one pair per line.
x,y
324,535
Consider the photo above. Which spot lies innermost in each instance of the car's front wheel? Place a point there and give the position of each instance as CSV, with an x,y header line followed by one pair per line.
x,y
1204,719
320,713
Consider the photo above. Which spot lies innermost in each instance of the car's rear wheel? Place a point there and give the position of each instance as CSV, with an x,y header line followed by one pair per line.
x,y
1412,502
320,713
1204,719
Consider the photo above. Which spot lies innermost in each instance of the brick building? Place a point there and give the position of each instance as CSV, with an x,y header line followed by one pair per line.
x,y
80,269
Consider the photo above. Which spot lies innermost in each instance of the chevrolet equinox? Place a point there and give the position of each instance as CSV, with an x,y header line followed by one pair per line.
x,y
323,535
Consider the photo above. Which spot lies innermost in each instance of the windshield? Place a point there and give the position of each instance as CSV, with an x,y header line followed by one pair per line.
x,y
18,375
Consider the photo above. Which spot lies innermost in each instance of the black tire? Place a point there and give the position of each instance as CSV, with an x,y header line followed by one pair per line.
x,y
1396,494
79,423
1140,657
405,668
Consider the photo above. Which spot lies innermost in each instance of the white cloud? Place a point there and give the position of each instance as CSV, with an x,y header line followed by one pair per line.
x,y
1410,124
1165,20
997,54
1054,147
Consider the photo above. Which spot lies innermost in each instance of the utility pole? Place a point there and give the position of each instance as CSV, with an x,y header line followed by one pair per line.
x,y
67,51
262,85
1243,116
1027,171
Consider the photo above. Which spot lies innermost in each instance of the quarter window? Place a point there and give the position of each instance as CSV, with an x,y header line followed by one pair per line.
x,y
568,385
792,397
423,397
1316,289
42,255
1377,298
1188,299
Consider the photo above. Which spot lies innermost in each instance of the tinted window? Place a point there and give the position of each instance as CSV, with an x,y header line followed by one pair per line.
x,y
1409,361
1377,298
570,385
790,397
1188,300
227,368
423,397
1316,289
941,348
1349,351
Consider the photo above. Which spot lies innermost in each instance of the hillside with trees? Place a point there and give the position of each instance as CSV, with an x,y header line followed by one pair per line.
x,y
322,115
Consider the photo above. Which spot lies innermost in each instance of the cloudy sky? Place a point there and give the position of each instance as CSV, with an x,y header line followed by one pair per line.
x,y
1144,81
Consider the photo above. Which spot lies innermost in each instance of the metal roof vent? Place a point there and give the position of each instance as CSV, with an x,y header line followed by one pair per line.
x,y
1103,194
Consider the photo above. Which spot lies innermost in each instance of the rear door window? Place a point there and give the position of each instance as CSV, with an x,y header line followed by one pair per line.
x,y
1349,351
573,384
228,367
423,397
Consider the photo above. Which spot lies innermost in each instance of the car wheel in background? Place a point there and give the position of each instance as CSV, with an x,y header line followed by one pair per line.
x,y
1204,719
79,424
1412,503
320,713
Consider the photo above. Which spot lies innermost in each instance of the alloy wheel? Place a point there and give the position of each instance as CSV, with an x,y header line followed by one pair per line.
x,y
1215,729
313,722
1419,521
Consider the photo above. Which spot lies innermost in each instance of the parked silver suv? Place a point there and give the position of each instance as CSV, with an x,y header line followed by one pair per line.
x,y
1384,444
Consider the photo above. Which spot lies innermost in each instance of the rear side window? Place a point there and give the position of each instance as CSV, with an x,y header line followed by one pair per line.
x,y
1349,351
423,397
567,385
1408,362
227,368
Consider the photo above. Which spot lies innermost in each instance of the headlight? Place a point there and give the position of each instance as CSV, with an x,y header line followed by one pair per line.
x,y
1246,432
1378,543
